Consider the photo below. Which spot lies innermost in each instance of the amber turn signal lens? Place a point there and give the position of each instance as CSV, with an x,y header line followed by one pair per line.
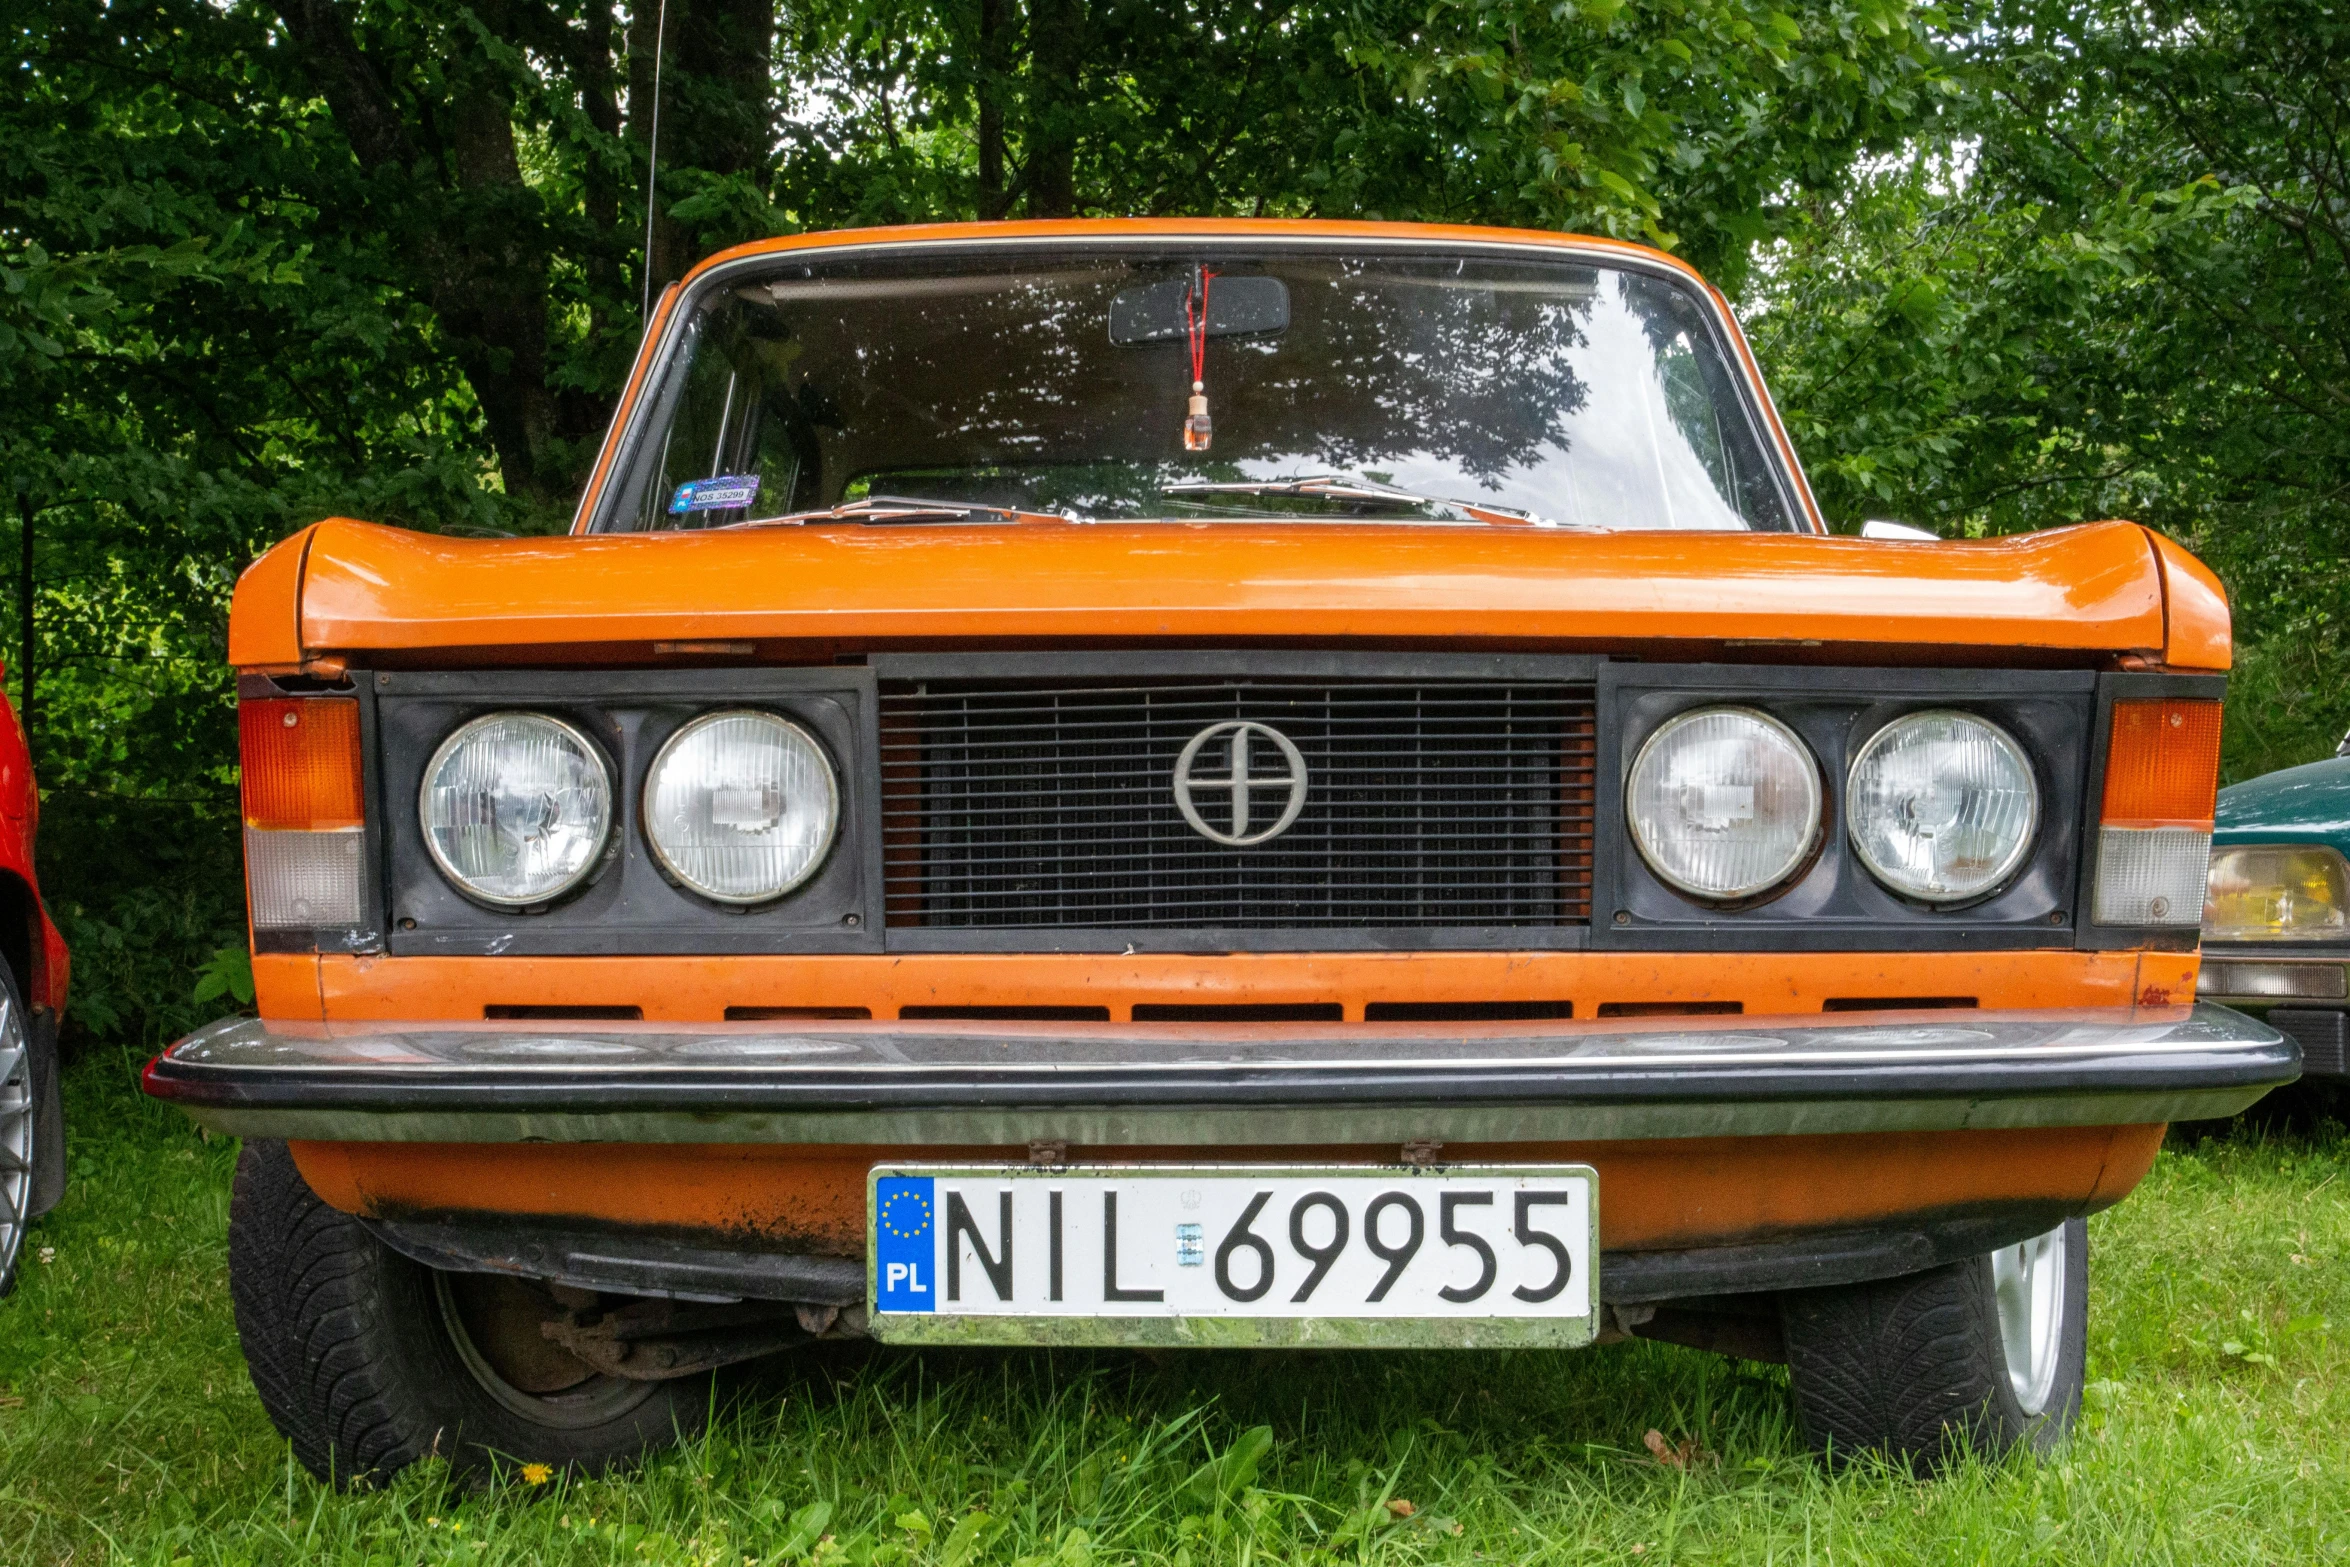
x,y
2154,839
301,763
2162,769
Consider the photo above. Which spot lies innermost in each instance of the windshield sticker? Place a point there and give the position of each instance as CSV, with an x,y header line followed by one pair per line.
x,y
722,493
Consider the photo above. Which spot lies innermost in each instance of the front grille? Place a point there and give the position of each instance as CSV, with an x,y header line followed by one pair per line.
x,y
1429,805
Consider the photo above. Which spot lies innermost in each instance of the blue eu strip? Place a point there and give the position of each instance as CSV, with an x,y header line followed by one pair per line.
x,y
905,1243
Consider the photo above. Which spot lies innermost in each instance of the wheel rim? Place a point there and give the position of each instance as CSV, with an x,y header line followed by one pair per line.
x,y
590,1402
16,1130
2029,1283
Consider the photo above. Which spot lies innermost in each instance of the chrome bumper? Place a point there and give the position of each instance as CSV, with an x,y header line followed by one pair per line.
x,y
1096,1085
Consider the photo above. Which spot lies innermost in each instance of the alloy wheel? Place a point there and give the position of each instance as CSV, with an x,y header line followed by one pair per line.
x,y
17,1119
2028,1281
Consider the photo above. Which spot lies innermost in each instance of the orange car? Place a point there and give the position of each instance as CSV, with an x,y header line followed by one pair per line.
x,y
1201,783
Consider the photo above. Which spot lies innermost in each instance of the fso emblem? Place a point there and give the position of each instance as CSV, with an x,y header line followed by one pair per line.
x,y
905,1243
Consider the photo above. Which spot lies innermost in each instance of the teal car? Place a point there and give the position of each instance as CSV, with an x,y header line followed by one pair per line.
x,y
2276,917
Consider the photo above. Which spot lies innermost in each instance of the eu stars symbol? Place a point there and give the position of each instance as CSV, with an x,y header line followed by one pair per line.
x,y
905,1213
905,1243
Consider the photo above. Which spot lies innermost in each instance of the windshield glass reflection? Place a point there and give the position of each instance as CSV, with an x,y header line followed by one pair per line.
x,y
1556,392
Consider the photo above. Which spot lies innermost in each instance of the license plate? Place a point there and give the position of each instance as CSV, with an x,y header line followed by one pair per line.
x,y
1463,1255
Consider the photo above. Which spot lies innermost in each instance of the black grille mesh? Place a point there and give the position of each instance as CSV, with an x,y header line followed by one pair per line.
x,y
1430,805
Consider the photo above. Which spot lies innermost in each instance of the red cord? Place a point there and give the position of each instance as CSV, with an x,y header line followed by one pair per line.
x,y
1195,326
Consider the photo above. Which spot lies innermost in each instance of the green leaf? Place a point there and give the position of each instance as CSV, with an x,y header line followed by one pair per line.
x,y
1225,1475
805,1529
230,973
968,1537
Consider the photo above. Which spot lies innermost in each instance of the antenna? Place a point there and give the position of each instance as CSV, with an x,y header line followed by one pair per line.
x,y
653,160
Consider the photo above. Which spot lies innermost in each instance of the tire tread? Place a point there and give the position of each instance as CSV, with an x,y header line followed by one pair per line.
x,y
1911,1367
339,1335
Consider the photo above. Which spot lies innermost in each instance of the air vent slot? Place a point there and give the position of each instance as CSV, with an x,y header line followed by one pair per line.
x,y
797,1014
1468,1011
1005,1014
535,1013
1671,1008
1240,1012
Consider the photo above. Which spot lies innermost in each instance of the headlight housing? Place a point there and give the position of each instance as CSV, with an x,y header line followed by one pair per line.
x,y
516,808
1724,803
2281,893
741,806
1942,806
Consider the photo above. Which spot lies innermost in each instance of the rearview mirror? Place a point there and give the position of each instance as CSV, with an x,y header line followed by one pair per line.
x,y
1153,312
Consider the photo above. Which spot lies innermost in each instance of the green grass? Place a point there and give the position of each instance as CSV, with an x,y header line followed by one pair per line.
x,y
2218,1428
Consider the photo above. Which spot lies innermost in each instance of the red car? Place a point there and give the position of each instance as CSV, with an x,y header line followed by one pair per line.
x,y
33,969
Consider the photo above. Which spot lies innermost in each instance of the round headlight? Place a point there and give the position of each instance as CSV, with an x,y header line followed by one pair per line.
x,y
516,808
1941,806
741,806
1724,803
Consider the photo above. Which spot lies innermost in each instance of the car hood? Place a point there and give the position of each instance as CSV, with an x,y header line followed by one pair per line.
x,y
360,592
2309,804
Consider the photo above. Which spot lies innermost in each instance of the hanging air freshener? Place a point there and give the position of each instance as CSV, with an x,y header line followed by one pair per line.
x,y
1196,430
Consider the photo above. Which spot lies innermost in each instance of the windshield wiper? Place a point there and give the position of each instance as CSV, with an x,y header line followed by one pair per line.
x,y
1368,492
887,508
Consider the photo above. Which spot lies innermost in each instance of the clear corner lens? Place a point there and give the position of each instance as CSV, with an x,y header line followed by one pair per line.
x,y
516,808
1941,806
741,806
1724,803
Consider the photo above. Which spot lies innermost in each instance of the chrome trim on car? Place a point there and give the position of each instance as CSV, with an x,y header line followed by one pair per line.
x,y
1096,1085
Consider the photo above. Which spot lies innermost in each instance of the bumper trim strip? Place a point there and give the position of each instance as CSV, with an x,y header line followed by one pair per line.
x,y
1097,1085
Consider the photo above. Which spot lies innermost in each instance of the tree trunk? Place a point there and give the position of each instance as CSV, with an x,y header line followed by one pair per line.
x,y
717,114
995,84
645,47
600,184
1056,61
482,257
725,50
490,291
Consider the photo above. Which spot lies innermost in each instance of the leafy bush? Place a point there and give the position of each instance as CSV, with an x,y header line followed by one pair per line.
x,y
146,893
2287,703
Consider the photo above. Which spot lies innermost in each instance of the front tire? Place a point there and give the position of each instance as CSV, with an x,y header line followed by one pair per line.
x,y
1979,1356
367,1362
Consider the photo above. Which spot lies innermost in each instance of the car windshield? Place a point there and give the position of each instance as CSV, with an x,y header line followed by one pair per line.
x,y
1462,388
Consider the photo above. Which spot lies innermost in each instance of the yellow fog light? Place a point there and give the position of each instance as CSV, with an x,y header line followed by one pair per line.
x,y
2276,894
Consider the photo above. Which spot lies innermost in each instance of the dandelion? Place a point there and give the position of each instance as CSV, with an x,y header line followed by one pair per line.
x,y
536,1474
